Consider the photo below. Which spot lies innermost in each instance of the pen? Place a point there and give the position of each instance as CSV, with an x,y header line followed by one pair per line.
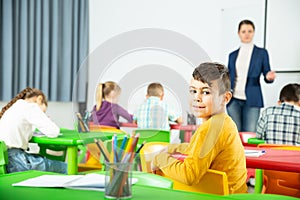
x,y
129,143
115,146
102,149
123,146
139,149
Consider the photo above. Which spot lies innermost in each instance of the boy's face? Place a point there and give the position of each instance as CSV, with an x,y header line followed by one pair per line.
x,y
205,100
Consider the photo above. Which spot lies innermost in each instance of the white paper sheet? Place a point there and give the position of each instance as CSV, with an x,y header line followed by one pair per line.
x,y
91,181
254,153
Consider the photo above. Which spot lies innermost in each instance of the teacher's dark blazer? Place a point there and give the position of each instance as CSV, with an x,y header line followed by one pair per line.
x,y
259,64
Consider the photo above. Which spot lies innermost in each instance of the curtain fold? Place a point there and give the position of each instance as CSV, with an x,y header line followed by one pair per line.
x,y
43,44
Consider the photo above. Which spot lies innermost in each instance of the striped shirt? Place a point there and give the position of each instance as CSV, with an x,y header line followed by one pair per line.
x,y
280,125
154,114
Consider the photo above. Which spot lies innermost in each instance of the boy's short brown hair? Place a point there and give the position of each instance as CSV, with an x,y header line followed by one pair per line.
x,y
210,71
155,89
290,92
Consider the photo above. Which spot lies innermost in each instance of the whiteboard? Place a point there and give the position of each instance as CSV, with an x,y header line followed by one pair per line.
x,y
282,34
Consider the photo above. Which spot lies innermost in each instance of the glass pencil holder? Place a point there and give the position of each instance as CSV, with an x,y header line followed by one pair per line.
x,y
118,180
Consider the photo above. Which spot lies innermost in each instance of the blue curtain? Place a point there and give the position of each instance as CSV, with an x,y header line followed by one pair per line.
x,y
43,43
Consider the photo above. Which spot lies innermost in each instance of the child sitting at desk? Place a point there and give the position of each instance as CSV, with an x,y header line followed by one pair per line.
x,y
18,118
154,113
107,111
216,143
281,124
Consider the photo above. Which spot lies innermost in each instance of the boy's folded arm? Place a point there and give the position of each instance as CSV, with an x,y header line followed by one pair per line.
x,y
180,148
189,170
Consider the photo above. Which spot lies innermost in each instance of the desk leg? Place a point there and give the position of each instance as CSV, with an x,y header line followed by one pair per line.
x,y
72,153
259,181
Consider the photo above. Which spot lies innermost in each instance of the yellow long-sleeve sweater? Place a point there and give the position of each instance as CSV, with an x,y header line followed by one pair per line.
x,y
215,145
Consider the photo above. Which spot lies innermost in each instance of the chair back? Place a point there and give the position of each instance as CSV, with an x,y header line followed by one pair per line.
x,y
153,135
3,157
278,182
214,182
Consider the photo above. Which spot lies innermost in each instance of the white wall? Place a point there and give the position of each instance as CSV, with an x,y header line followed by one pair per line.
x,y
61,113
136,42
199,27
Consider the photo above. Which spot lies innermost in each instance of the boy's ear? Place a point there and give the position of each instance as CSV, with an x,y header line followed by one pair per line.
x,y
227,97
162,96
278,102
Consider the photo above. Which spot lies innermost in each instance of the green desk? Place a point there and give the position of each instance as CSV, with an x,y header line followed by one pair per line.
x,y
7,191
261,197
139,192
72,139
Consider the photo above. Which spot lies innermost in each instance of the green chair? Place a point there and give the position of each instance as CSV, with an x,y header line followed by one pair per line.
x,y
153,135
256,141
3,157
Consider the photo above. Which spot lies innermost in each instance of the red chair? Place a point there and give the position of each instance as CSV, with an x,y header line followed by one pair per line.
x,y
277,182
245,136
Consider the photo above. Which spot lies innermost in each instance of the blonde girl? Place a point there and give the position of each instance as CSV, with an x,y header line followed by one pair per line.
x,y
106,111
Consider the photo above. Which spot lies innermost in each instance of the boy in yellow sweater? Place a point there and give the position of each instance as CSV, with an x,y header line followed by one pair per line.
x,y
216,143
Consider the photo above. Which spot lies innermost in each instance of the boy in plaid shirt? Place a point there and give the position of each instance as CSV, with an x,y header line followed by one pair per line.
x,y
154,113
280,124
